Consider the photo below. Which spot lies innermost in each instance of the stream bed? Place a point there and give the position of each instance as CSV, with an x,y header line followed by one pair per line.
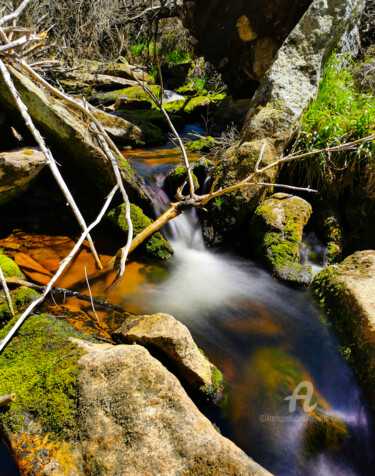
x,y
265,337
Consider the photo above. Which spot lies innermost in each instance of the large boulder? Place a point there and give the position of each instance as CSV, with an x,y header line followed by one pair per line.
x,y
276,228
291,83
241,38
69,136
18,169
136,419
167,335
347,294
228,216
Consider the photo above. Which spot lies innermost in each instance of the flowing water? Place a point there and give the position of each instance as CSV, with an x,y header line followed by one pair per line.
x,y
266,339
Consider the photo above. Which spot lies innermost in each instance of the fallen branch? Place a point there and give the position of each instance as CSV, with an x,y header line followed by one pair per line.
x,y
65,292
58,273
6,291
5,399
47,153
15,14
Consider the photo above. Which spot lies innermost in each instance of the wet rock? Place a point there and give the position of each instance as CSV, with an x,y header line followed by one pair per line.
x,y
169,336
277,228
291,82
18,169
175,178
347,294
156,246
136,419
136,93
68,135
229,215
328,223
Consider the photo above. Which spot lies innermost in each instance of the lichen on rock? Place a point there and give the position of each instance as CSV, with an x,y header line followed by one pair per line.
x,y
276,229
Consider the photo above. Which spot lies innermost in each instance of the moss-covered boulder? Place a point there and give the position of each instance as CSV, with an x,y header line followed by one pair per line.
x,y
135,92
9,267
199,145
228,217
175,179
156,246
176,346
40,366
346,293
153,121
276,228
20,297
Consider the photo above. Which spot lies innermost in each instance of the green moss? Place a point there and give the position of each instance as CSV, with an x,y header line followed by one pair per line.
x,y
9,267
176,177
152,122
40,366
188,105
278,243
20,298
135,92
156,246
201,144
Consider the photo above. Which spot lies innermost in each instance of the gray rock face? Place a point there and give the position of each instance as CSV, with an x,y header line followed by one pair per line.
x,y
69,134
173,339
347,293
18,169
276,229
291,83
137,420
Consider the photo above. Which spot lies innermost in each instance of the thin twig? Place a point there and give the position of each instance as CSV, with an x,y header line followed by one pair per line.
x,y
5,399
58,273
65,292
92,302
16,13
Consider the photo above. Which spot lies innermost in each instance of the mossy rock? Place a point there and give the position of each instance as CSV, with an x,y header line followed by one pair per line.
x,y
228,217
328,224
21,297
156,246
346,294
190,106
134,92
277,227
9,267
201,145
175,179
40,366
191,89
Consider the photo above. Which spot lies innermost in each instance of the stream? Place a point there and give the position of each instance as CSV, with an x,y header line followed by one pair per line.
x,y
265,337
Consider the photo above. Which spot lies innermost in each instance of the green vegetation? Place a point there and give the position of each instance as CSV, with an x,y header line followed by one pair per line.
x,y
9,267
342,113
156,246
40,366
20,297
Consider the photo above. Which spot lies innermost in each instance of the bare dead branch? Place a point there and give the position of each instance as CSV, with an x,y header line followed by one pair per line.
x,y
6,291
14,14
50,160
58,273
